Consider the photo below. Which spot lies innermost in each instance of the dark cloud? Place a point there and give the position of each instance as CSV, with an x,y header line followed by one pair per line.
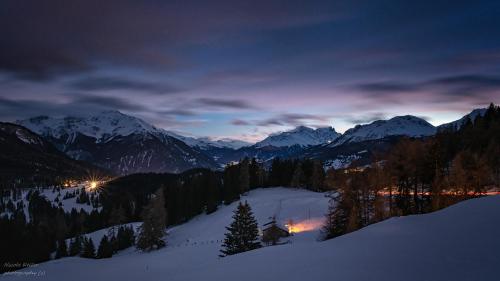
x,y
474,89
11,110
116,83
291,119
43,40
225,103
108,102
239,122
366,118
469,81
385,87
178,112
38,64
78,105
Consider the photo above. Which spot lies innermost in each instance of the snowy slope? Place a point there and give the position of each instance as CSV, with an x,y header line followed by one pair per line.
x,y
458,243
303,136
56,197
458,123
398,126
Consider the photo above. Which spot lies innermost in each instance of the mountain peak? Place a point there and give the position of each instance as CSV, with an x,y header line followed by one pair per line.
x,y
407,125
101,126
458,123
301,129
301,135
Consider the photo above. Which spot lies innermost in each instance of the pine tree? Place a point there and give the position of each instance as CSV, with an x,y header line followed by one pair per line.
x,y
125,237
113,240
88,248
153,227
318,176
337,218
244,176
243,232
298,177
75,246
105,249
62,249
116,217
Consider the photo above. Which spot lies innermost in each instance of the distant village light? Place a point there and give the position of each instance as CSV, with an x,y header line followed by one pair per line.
x,y
93,184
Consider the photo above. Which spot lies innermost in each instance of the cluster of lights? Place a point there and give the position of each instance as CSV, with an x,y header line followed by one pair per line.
x,y
93,184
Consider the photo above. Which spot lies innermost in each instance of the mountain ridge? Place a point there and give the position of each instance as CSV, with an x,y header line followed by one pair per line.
x,y
407,125
301,135
119,142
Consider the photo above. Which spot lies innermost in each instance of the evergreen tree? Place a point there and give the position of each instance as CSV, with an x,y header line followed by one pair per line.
x,y
244,177
231,187
153,227
318,176
298,176
75,247
113,241
125,237
337,218
62,250
116,217
88,248
243,233
256,178
105,249
212,192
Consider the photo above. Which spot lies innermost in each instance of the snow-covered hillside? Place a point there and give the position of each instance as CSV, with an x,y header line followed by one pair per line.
x,y
457,243
303,136
398,126
65,198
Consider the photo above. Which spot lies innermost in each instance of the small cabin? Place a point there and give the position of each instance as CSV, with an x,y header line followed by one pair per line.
x,y
272,233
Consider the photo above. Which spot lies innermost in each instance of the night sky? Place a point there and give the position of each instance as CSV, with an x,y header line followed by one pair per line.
x,y
247,68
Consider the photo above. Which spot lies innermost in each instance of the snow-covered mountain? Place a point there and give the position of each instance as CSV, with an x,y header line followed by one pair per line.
x,y
205,143
118,142
398,126
302,136
102,126
458,123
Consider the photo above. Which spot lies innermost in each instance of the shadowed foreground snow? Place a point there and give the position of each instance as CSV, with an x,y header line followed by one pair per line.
x,y
458,243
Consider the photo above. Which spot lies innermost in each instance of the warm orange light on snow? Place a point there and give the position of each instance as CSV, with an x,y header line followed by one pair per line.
x,y
303,226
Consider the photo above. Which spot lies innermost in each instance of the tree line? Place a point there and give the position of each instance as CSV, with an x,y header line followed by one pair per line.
x,y
417,176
